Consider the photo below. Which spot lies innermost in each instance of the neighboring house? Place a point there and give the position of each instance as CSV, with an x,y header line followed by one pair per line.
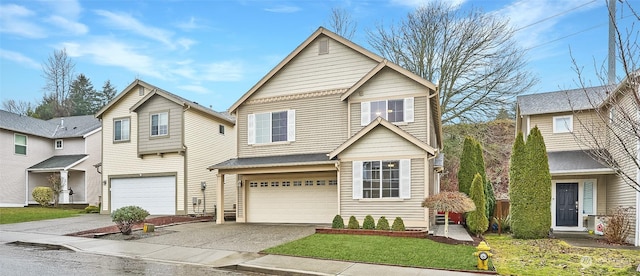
x,y
335,129
33,149
582,188
156,149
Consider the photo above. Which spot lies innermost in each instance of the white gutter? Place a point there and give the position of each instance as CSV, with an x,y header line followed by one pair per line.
x,y
583,172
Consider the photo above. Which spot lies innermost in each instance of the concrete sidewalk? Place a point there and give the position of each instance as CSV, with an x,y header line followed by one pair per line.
x,y
271,264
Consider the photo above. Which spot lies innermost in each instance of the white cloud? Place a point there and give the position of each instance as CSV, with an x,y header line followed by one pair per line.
x,y
195,88
68,25
283,9
419,3
69,9
189,25
18,20
127,22
186,43
19,58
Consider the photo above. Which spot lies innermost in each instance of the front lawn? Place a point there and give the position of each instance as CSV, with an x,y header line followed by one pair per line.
x,y
381,250
556,257
15,215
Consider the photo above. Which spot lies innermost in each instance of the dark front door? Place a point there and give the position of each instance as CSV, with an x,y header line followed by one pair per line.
x,y
566,204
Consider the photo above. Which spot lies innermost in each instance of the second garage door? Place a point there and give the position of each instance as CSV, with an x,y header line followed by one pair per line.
x,y
285,201
157,195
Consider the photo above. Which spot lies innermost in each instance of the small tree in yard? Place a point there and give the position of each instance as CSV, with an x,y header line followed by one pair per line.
x,y
619,225
369,223
467,165
398,224
338,222
126,217
477,220
56,187
456,202
383,224
353,223
490,198
42,195
516,182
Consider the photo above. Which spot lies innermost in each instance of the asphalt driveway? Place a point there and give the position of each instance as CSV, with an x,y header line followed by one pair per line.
x,y
246,237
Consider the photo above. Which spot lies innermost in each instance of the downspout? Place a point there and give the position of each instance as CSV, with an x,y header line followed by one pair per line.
x,y
185,172
26,188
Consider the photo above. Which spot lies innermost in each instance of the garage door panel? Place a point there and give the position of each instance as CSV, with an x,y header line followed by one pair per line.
x,y
157,195
292,204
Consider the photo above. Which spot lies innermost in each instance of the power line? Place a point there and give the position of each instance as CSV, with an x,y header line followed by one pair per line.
x,y
554,16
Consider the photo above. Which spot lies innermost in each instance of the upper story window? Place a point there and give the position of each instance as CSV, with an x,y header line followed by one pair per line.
x,y
58,144
395,111
121,129
160,124
382,179
271,127
563,124
20,143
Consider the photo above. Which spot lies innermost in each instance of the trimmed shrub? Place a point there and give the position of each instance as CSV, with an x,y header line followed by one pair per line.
x,y
92,209
618,225
383,224
369,223
516,182
353,223
42,195
398,224
477,220
338,222
128,216
467,165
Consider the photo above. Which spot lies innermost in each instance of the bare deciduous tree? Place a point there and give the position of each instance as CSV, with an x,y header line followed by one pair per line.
x,y
611,131
341,23
18,107
58,72
472,56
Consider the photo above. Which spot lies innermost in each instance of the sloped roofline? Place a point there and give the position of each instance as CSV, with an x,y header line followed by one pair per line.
x,y
381,122
292,55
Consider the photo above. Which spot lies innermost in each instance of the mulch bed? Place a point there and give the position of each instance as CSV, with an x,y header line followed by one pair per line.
x,y
157,221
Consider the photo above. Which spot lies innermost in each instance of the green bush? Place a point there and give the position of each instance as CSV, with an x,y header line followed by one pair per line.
x,y
467,165
504,223
42,195
92,209
398,224
128,216
383,224
353,223
369,223
338,222
477,220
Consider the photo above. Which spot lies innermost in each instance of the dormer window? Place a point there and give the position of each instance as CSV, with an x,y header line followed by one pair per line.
x,y
58,144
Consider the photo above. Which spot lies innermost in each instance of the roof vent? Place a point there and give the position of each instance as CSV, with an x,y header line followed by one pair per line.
x,y
323,46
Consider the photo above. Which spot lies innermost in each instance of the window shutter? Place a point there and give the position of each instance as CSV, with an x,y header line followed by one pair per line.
x,y
291,125
405,178
365,113
408,110
357,179
251,129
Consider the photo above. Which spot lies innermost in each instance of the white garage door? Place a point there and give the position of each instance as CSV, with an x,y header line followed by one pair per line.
x,y
157,195
306,201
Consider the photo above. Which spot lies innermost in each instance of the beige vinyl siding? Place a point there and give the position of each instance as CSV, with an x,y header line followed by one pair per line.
x,y
206,147
308,71
122,159
387,84
381,142
320,126
159,144
562,141
12,166
410,210
69,146
418,128
93,178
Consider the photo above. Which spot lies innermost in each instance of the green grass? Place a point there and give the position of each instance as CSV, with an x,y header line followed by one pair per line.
x,y
381,250
556,257
15,215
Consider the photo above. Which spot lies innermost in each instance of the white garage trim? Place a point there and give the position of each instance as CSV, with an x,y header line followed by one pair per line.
x,y
156,194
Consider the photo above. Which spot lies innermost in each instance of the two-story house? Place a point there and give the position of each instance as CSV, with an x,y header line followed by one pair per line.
x,y
33,149
335,129
156,149
582,187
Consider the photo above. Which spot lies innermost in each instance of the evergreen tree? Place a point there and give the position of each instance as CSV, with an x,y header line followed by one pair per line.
x,y
538,184
517,187
106,95
46,109
490,199
83,96
477,220
468,167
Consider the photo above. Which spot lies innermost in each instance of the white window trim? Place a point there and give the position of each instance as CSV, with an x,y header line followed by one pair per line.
x,y
128,129
404,182
291,128
581,215
570,126
159,114
408,111
26,143
55,144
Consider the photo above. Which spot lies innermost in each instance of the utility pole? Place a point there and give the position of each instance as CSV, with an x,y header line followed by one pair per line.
x,y
611,73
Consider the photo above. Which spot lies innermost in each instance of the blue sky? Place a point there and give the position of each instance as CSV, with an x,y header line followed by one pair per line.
x,y
212,52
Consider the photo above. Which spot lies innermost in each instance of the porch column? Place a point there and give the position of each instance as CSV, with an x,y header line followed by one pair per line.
x,y
64,179
220,199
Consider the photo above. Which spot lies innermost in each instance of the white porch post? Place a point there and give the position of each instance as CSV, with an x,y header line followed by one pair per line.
x,y
220,199
64,179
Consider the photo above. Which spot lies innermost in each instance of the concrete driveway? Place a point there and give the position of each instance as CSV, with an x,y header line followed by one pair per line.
x,y
246,237
60,226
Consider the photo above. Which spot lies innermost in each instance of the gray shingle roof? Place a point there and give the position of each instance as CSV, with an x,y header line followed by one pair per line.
x,y
74,126
578,160
58,162
562,101
273,161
